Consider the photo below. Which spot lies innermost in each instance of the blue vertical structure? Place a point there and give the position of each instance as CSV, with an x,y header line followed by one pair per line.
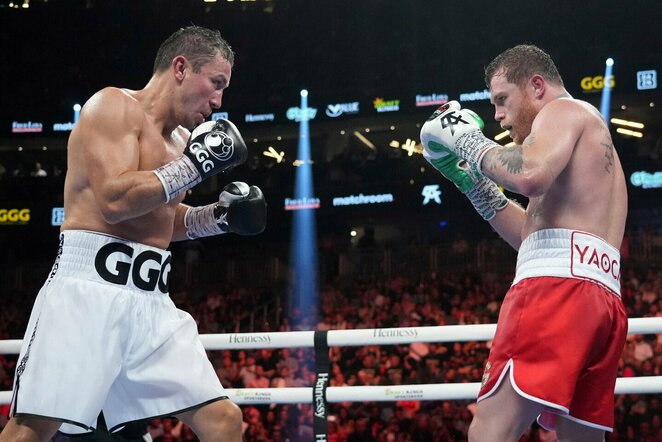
x,y
77,108
605,102
303,246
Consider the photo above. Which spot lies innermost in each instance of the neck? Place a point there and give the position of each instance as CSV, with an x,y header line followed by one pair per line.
x,y
156,100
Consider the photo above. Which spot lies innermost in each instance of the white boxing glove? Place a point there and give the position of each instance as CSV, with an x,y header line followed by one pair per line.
x,y
451,129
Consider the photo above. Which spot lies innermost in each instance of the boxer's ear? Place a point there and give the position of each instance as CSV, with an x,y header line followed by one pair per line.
x,y
179,66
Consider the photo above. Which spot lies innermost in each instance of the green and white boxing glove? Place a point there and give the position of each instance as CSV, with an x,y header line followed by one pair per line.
x,y
483,193
451,129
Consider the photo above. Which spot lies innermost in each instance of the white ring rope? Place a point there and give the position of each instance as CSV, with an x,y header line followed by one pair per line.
x,y
377,336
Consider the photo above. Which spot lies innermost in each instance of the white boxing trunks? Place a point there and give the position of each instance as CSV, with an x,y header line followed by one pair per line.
x,y
562,328
104,335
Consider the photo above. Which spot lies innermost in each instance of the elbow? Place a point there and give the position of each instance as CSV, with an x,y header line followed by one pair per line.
x,y
531,185
112,212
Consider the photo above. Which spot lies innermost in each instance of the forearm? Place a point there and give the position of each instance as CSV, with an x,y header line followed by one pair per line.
x,y
129,196
506,166
179,230
508,223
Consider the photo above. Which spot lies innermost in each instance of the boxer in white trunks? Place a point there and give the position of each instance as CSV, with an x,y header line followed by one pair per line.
x,y
562,325
103,333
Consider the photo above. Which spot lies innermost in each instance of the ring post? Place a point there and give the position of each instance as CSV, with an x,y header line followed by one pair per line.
x,y
320,405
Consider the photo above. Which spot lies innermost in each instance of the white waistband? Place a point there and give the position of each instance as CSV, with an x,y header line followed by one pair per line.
x,y
569,254
108,259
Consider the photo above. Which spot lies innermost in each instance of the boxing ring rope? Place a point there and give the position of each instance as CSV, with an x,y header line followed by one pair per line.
x,y
377,336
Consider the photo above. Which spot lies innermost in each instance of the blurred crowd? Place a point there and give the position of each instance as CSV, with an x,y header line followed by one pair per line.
x,y
399,301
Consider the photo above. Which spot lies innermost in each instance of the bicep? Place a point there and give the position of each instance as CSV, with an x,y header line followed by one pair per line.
x,y
109,130
549,147
110,142
530,169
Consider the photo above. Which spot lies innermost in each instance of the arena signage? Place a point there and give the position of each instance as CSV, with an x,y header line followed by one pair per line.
x,y
431,100
14,216
336,110
57,216
219,115
403,393
647,80
297,114
395,333
249,339
320,403
592,84
646,180
63,127
18,127
431,192
301,203
361,199
252,118
475,96
260,396
382,105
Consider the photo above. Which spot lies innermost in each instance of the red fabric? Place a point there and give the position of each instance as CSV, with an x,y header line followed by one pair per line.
x,y
565,338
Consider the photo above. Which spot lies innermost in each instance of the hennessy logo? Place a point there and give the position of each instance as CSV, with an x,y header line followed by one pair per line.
x,y
320,406
450,120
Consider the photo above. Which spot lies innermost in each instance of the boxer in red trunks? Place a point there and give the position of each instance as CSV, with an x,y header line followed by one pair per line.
x,y
562,325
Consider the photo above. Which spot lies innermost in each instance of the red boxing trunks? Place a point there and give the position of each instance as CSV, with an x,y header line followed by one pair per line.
x,y
561,328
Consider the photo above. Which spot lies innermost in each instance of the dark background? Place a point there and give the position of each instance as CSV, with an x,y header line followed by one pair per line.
x,y
59,52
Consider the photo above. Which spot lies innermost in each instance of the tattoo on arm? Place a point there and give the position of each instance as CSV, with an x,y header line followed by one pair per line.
x,y
511,158
608,147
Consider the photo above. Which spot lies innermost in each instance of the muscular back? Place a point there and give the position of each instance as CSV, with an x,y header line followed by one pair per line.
x,y
589,193
110,187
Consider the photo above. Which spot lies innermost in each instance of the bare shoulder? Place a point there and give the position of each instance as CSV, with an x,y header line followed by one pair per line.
x,y
568,117
113,106
567,110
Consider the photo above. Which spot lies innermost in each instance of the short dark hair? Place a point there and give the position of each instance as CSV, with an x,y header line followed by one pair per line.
x,y
199,45
520,63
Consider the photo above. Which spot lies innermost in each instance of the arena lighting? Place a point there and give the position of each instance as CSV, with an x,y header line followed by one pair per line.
x,y
272,153
410,146
632,133
303,245
634,124
503,134
364,140
77,108
605,102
